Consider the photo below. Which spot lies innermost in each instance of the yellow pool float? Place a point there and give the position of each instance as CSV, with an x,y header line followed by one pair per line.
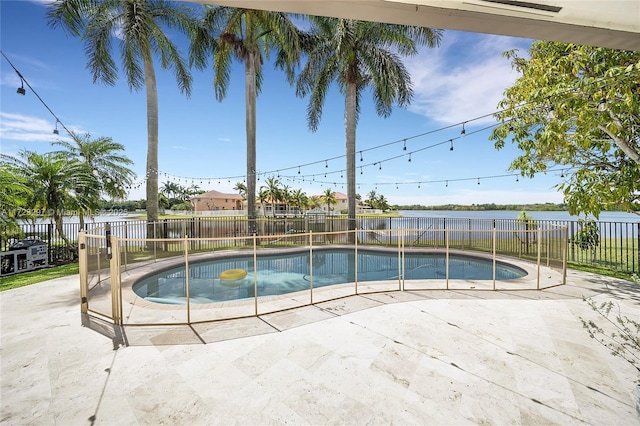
x,y
233,274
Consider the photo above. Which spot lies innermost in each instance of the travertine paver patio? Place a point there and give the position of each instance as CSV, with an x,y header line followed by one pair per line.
x,y
413,357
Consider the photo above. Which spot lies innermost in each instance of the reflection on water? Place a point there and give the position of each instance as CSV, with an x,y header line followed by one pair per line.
x,y
285,274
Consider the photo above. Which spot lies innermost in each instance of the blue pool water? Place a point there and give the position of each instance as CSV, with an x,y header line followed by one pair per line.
x,y
281,274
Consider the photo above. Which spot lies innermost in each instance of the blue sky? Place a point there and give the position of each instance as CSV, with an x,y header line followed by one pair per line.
x,y
202,141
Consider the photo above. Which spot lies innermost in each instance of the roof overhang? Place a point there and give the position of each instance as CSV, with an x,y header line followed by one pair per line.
x,y
607,23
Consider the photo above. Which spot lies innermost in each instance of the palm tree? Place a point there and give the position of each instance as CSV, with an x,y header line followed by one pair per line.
x,y
382,203
58,184
263,196
170,189
285,196
372,199
329,198
247,35
358,55
299,200
138,26
104,159
13,198
242,189
273,191
314,202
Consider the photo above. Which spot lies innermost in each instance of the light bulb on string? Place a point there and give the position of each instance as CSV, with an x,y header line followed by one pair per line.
x,y
404,148
602,105
21,90
478,181
409,158
360,155
451,147
463,131
551,112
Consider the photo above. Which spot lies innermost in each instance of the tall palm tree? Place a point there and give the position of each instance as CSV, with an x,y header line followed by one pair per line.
x,y
247,35
358,55
139,26
105,161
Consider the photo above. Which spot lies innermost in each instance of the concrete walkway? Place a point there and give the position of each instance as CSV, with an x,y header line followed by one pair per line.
x,y
430,357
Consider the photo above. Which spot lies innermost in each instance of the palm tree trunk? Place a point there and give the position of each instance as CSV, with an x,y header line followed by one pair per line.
x,y
250,101
152,146
350,128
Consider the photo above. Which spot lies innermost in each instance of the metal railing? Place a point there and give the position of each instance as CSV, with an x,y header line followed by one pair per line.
x,y
111,265
618,249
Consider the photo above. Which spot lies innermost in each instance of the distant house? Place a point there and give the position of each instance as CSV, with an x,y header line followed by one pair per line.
x,y
215,200
335,208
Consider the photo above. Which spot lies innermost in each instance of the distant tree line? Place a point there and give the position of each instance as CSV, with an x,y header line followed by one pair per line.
x,y
546,207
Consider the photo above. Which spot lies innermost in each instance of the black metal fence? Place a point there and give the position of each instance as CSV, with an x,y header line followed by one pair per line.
x,y
618,247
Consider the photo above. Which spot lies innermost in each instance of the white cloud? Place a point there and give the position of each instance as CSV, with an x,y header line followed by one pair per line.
x,y
181,148
24,128
224,139
464,78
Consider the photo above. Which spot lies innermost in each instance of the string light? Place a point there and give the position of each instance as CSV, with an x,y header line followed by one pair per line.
x,y
601,106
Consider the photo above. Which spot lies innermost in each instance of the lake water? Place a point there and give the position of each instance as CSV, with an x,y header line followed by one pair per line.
x,y
511,214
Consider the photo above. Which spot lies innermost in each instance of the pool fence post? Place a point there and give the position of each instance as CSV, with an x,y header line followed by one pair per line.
x,y
114,270
539,248
548,246
565,253
126,246
310,267
355,262
186,277
494,254
255,273
82,269
446,254
400,238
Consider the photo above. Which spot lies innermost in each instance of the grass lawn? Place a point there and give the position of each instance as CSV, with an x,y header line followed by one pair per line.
x,y
28,278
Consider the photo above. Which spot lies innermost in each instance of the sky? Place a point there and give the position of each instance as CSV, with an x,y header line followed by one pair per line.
x,y
202,141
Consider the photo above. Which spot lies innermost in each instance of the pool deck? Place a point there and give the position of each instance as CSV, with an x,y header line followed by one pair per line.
x,y
412,357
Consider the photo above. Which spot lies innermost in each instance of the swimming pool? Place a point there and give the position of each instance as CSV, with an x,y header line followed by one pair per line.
x,y
287,273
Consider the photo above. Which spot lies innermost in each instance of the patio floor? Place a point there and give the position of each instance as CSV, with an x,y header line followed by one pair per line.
x,y
413,357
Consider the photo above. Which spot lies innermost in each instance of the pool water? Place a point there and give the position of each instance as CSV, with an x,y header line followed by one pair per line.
x,y
283,274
